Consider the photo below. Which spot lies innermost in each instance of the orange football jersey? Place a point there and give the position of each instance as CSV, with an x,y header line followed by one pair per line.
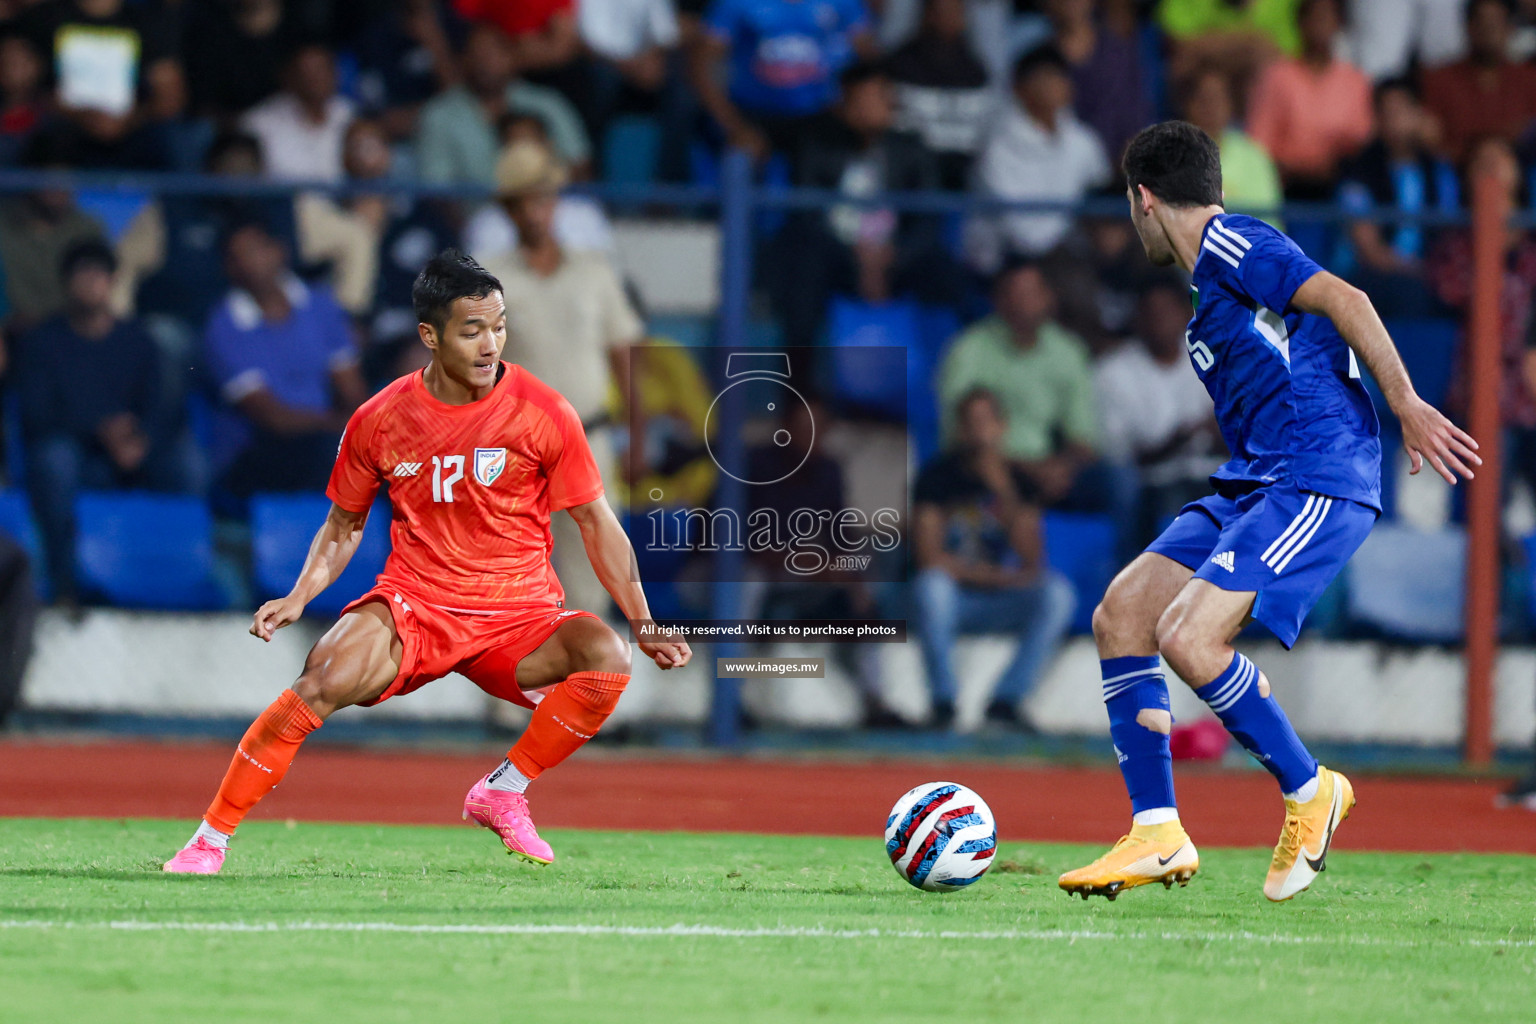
x,y
472,487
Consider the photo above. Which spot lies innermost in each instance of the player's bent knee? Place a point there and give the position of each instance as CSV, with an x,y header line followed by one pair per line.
x,y
601,650
329,681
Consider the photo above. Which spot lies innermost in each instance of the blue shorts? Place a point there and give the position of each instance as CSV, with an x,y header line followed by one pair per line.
x,y
1284,544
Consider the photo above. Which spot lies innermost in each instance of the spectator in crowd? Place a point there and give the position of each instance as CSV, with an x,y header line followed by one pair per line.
x,y
784,58
457,142
1249,178
280,353
93,412
1238,36
394,234
543,33
1485,93
666,462
1038,151
1450,274
868,251
404,59
629,45
170,263
1155,415
980,558
568,322
1522,36
1312,112
1388,37
1398,171
303,127
580,222
36,229
1109,91
233,52
22,99
115,79
1042,380
810,479
942,90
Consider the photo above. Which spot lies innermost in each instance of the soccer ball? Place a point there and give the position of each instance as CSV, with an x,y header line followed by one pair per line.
x,y
941,836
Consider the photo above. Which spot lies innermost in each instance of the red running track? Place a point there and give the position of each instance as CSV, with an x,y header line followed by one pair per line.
x,y
828,797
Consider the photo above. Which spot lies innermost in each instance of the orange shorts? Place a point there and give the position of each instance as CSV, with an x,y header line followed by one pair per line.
x,y
483,647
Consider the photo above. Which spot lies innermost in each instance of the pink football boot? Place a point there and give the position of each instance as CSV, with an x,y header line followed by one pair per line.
x,y
201,858
506,814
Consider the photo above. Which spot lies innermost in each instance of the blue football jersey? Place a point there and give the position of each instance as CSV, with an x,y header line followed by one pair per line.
x,y
1286,387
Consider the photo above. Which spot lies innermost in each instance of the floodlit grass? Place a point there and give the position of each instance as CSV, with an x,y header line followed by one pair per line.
x,y
384,923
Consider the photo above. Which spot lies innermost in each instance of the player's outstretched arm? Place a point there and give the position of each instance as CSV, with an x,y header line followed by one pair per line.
x,y
613,559
329,553
1427,434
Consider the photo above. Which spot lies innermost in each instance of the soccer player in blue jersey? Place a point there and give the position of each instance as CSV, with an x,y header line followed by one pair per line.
x,y
1278,342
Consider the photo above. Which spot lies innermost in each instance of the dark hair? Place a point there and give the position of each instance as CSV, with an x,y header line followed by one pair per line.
x,y
981,394
1013,262
449,276
515,117
1305,8
1046,55
88,252
859,72
1401,83
227,143
1177,162
1473,5
242,218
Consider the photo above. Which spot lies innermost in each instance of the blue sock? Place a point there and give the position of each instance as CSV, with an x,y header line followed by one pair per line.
x,y
1132,685
1258,724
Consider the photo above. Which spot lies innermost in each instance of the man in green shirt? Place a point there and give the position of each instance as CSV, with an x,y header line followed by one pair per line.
x,y
1238,35
1042,378
1250,182
457,142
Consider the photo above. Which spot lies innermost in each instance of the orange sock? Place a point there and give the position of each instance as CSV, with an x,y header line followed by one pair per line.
x,y
262,759
565,719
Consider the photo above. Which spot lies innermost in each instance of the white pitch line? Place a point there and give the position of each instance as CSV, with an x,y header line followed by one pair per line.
x,y
718,932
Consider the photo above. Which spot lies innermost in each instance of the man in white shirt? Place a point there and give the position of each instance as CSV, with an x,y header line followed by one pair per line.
x,y
629,46
1037,151
568,322
303,128
1154,413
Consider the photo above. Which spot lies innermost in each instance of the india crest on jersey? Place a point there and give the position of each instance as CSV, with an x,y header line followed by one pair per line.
x,y
489,464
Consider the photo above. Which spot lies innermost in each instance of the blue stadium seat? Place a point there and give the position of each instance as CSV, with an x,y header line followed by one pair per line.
x,y
282,526
936,328
17,523
1409,584
1082,548
147,551
631,150
873,381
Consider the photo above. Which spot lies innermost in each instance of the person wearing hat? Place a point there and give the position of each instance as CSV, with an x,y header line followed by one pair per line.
x,y
568,321
93,412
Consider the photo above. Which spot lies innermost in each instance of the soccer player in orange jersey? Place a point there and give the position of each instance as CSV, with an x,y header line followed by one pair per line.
x,y
477,455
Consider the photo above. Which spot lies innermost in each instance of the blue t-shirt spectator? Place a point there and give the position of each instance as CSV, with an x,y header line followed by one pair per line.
x,y
786,54
293,359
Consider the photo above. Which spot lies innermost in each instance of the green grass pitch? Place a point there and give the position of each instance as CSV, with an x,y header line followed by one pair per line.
x,y
373,923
